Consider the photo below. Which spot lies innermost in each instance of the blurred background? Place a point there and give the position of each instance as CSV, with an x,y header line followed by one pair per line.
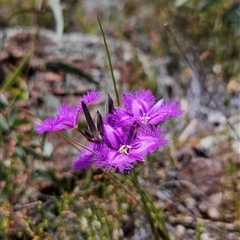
x,y
52,52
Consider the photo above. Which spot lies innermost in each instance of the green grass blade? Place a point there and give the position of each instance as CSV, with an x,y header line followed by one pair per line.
x,y
110,63
12,78
69,69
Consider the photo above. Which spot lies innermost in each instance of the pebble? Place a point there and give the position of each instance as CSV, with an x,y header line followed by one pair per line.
x,y
180,229
117,233
202,207
216,199
213,213
163,195
207,236
190,202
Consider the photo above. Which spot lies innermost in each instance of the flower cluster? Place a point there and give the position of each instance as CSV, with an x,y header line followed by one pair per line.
x,y
125,135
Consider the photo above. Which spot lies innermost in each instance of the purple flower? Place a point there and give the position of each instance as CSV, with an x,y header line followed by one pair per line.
x,y
134,148
121,147
140,106
67,115
126,134
66,118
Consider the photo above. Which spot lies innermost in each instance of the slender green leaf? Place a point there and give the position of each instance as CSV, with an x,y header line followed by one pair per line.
x,y
32,151
20,152
20,121
12,116
110,63
13,77
3,123
3,100
19,93
59,66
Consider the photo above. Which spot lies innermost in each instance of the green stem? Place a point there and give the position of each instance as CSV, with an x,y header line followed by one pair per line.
x,y
155,219
147,209
110,63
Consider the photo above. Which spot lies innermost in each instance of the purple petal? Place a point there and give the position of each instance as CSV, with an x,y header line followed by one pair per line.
x,y
82,161
139,107
113,159
89,97
66,118
144,98
148,140
162,110
86,157
112,136
122,116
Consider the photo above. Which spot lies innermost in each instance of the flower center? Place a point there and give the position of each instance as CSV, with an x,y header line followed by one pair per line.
x,y
124,149
144,118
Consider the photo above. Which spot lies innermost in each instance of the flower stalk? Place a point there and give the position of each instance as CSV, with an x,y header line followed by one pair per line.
x,y
156,221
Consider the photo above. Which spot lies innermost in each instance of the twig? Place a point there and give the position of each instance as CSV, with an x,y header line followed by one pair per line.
x,y
200,78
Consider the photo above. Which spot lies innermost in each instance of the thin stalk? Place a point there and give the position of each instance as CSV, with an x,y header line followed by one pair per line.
x,y
81,145
158,230
67,140
109,61
31,113
124,188
146,207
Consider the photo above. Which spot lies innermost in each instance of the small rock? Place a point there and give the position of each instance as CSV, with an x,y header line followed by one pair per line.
x,y
213,213
163,195
117,233
188,221
216,199
209,142
202,207
217,68
190,202
205,236
180,229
